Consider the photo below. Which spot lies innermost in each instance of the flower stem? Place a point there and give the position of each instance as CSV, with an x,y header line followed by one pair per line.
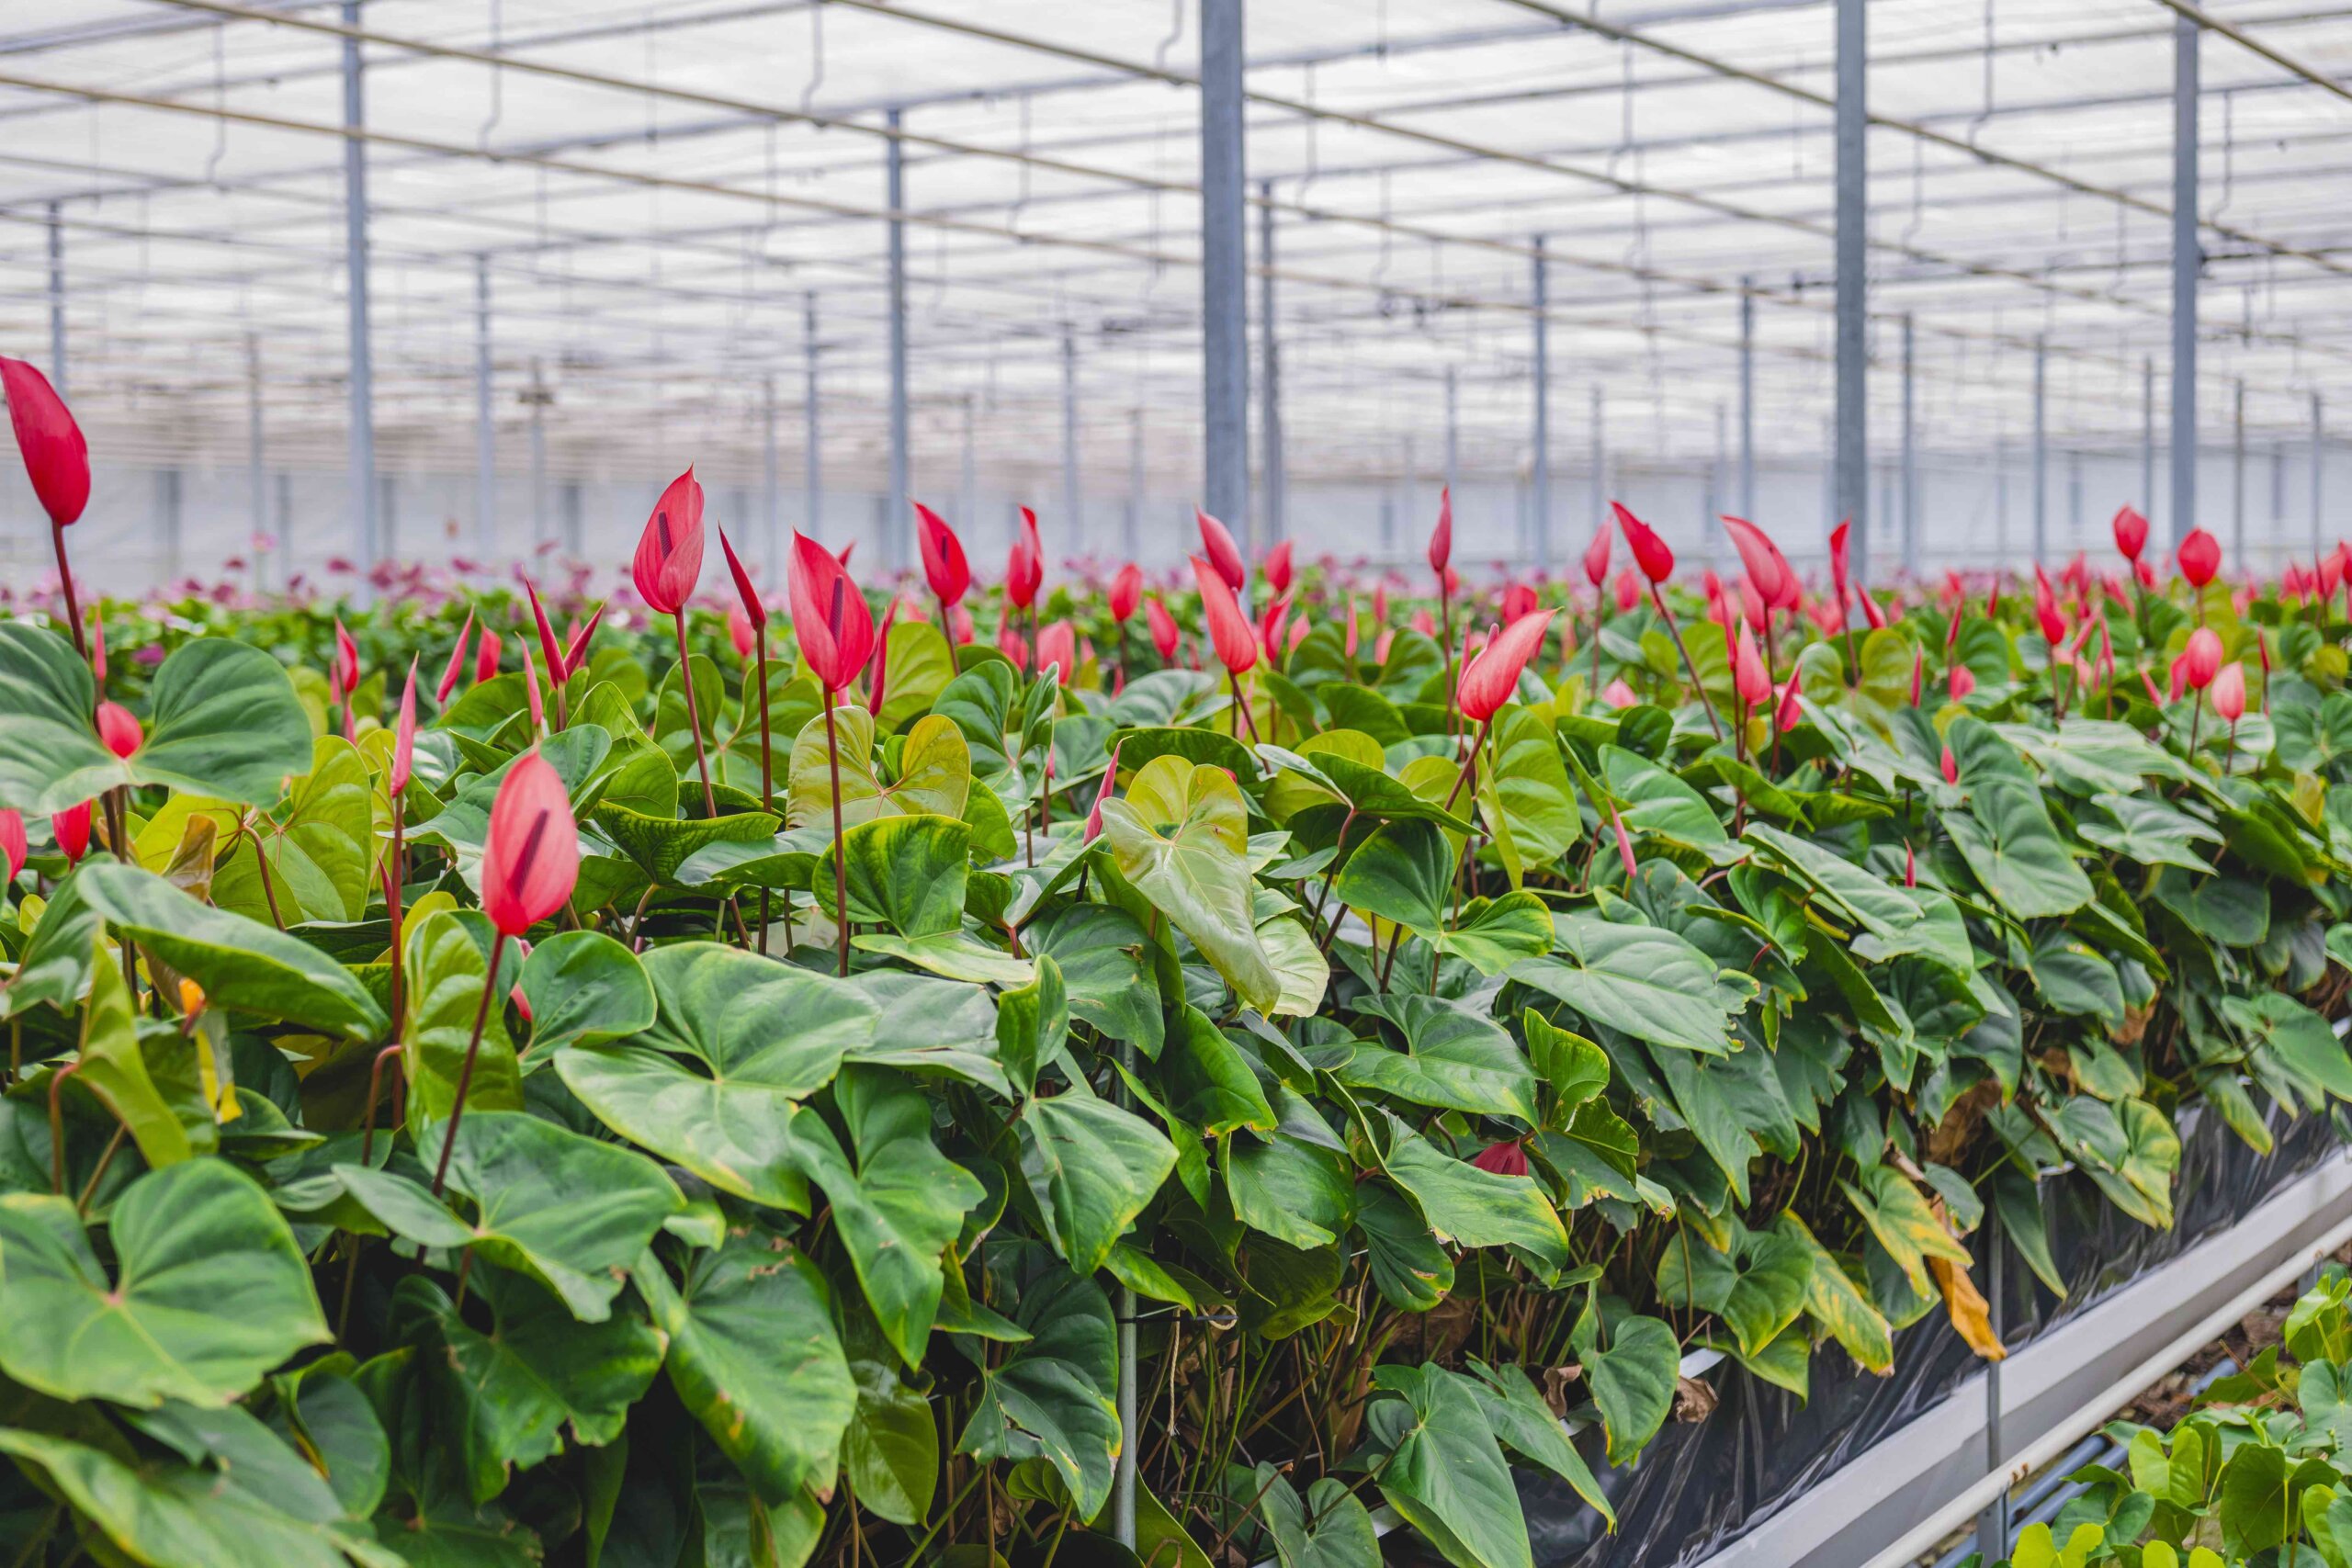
x,y
841,874
693,714
466,1072
65,581
392,870
1700,686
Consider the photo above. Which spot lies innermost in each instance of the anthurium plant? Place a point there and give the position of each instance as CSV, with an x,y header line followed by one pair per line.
x,y
687,1089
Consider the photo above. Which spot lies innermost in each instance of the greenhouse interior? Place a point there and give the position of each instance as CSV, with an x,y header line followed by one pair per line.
x,y
1176,783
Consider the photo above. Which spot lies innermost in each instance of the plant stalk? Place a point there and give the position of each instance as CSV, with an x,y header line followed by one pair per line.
x,y
840,873
693,714
466,1073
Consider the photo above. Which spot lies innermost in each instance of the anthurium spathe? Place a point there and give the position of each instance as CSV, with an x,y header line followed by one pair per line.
x,y
1657,563
836,632
666,568
71,829
117,729
2130,532
944,567
457,665
754,614
2201,558
1278,568
1490,680
1767,568
57,461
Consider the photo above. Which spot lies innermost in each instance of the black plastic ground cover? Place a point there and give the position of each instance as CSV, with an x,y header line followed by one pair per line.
x,y
1699,1487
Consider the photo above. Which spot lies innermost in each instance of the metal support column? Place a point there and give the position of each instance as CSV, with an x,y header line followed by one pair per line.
x,y
537,399
968,474
1539,500
1717,473
812,477
1993,1524
56,301
897,518
2041,453
1600,460
167,507
1853,284
1270,402
485,421
2148,433
2237,476
1224,335
1133,531
2319,468
771,484
1746,399
1073,512
2187,262
256,485
1910,497
355,250
1453,432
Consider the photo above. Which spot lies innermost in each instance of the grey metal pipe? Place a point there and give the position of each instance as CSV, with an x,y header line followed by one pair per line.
x,y
1539,500
2040,452
56,301
1599,457
254,478
1910,462
812,473
363,368
1225,338
1853,284
771,484
2237,475
897,518
1073,512
485,421
2319,468
2186,261
1270,402
1747,398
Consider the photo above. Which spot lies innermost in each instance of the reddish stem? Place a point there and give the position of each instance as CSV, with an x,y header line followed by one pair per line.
x,y
841,874
694,714
466,1072
65,579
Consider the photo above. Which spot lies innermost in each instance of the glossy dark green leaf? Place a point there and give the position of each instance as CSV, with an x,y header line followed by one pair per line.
x,y
1454,1056
1053,1397
1444,1472
585,988
209,1291
1100,950
907,873
1091,1167
1404,874
1645,980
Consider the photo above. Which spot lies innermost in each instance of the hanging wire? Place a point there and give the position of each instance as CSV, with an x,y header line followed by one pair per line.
x,y
1013,215
1313,158
1175,36
497,77
1989,56
815,57
220,108
1919,192
2229,153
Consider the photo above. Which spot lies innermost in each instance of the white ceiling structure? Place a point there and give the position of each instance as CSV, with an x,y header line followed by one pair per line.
x,y
658,199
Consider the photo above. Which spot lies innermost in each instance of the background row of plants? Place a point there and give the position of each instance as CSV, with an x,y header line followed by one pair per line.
x,y
1415,1040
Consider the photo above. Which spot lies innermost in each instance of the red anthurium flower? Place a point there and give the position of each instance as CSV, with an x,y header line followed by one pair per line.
x,y
1298,630
1789,714
1164,631
829,615
1382,644
2229,692
1750,677
1126,591
944,565
1222,552
1057,651
486,654
1629,589
1767,568
1271,628
343,675
1423,623
531,687
1519,600
56,458
669,553
2130,532
1351,639
550,651
1950,766
1873,614
1840,543
879,676
1024,565
1380,604
741,632
1618,694
117,729
1278,568
1441,552
405,736
748,596
1752,608
1910,865
456,663
1502,1159
2201,558
2053,624
1229,632
1490,680
1110,778
530,856
12,840
575,652
2201,660
1012,645
1596,557
1650,552
1961,680
2144,571
71,829
2331,571
1919,674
